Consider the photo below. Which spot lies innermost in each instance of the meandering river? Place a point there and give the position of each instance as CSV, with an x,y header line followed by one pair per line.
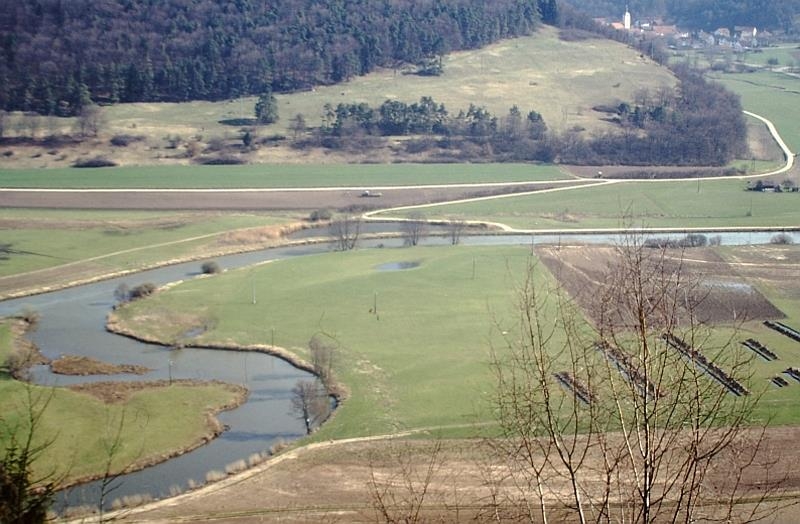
x,y
72,321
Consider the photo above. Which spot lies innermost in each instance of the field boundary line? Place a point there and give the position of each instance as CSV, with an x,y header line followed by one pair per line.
x,y
371,215
458,185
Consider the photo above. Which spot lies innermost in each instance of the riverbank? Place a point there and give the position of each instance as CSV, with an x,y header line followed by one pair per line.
x,y
336,389
83,416
123,392
91,270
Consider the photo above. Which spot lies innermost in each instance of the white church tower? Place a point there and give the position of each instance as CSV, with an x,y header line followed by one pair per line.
x,y
626,21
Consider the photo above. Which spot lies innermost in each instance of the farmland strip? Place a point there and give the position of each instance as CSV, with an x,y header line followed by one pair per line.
x,y
779,381
709,367
580,390
793,372
760,349
783,329
628,370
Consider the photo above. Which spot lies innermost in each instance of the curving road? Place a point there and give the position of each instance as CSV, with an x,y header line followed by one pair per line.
x,y
787,153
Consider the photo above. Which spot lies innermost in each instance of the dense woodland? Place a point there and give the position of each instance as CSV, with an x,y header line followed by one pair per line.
x,y
56,56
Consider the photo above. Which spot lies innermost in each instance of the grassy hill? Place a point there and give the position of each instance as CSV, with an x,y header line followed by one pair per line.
x,y
561,80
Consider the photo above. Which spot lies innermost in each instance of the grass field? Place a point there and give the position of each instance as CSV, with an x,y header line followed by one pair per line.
x,y
787,55
138,238
422,361
711,203
561,80
275,176
775,96
157,421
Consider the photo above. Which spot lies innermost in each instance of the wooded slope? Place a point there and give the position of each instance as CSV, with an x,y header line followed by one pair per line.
x,y
57,55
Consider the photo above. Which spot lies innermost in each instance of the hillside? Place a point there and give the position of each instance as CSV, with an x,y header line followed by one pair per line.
x,y
561,80
56,57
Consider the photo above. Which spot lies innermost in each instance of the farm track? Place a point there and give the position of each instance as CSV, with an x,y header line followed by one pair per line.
x,y
395,198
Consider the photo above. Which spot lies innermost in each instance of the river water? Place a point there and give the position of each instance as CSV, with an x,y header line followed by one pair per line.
x,y
72,321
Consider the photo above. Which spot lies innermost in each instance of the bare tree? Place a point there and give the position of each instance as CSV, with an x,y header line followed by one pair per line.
x,y
346,230
322,350
625,416
455,229
297,125
414,229
401,495
32,122
90,120
310,403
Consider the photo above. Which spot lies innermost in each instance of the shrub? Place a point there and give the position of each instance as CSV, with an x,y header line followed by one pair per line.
x,y
215,475
125,140
215,144
236,467
781,239
97,161
220,161
31,316
716,240
210,268
122,293
320,214
19,362
272,139
694,240
142,290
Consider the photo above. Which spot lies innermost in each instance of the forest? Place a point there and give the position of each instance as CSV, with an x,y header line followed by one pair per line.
x,y
57,56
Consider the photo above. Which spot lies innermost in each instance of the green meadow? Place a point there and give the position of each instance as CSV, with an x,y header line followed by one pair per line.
x,y
115,240
155,421
700,204
421,361
775,96
275,176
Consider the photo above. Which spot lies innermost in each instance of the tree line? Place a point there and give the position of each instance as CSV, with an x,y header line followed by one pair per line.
x,y
700,123
57,56
427,117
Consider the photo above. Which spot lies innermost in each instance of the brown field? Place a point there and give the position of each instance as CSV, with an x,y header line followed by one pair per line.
x,y
721,292
330,482
247,199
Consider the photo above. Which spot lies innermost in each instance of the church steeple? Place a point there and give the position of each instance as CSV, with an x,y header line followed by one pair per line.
x,y
626,20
